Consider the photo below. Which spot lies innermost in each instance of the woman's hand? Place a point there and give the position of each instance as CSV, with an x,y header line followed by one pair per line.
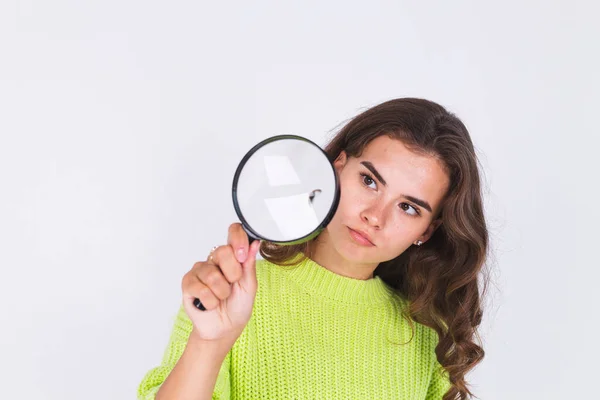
x,y
226,285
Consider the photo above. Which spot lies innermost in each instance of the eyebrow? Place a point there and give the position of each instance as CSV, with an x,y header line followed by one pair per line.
x,y
416,200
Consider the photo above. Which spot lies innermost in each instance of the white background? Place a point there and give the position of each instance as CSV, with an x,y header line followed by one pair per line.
x,y
122,123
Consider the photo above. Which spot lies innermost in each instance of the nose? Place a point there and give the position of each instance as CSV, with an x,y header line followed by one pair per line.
x,y
373,215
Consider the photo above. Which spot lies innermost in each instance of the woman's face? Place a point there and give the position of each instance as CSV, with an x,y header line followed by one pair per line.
x,y
383,194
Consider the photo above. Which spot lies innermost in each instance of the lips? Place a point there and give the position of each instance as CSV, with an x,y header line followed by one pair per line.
x,y
361,237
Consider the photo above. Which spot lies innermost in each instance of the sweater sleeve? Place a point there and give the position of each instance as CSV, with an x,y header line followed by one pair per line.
x,y
439,384
180,333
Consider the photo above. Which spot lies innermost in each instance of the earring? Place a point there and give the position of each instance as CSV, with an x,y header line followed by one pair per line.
x,y
419,243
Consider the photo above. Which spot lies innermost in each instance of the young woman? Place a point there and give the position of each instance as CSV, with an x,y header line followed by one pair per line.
x,y
383,304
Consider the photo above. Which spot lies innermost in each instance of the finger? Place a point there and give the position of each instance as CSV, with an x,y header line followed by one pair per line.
x,y
238,240
249,267
211,276
224,258
193,288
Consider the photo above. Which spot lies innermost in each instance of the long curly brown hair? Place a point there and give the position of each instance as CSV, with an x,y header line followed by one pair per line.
x,y
439,279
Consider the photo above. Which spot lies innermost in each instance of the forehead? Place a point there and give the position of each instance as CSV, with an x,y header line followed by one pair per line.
x,y
405,171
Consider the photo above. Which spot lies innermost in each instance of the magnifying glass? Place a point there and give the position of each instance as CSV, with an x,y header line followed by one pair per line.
x,y
285,191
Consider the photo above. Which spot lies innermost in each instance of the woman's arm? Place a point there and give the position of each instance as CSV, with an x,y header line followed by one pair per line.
x,y
196,372
187,358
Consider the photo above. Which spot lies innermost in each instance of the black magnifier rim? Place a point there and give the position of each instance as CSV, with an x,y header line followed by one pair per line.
x,y
241,165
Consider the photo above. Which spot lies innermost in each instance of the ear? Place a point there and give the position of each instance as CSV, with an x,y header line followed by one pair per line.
x,y
340,161
430,230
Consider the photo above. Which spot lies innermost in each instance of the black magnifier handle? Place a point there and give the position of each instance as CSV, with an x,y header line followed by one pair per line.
x,y
197,303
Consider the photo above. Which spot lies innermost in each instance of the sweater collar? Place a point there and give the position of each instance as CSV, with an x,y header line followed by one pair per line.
x,y
319,281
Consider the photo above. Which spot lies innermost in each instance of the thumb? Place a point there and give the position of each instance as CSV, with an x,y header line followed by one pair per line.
x,y
249,266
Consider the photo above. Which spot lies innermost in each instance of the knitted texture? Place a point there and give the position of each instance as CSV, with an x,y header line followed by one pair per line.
x,y
314,334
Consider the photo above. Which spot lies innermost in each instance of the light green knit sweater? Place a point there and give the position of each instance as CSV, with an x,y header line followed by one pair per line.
x,y
315,334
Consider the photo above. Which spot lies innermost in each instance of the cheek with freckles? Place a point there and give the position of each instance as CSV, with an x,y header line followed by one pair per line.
x,y
395,242
349,208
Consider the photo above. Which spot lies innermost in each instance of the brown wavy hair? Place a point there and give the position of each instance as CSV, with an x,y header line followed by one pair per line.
x,y
439,279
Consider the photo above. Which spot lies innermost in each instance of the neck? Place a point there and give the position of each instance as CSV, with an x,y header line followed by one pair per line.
x,y
324,253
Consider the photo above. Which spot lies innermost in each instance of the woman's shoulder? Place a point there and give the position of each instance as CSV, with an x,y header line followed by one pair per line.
x,y
262,268
421,334
266,269
269,274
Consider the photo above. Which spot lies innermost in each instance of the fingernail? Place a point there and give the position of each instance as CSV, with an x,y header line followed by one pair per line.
x,y
241,255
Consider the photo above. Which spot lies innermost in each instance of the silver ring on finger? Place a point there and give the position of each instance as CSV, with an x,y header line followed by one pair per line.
x,y
210,257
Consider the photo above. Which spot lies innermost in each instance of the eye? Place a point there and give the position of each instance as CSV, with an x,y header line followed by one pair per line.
x,y
406,207
367,180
